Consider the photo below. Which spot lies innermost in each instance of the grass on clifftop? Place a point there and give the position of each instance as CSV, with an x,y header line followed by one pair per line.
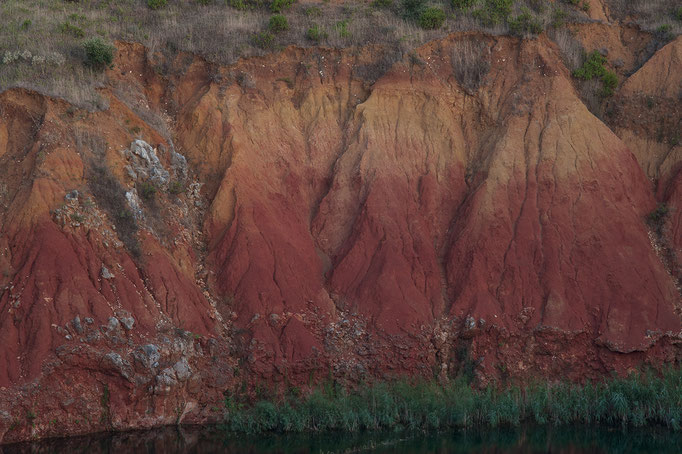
x,y
641,399
42,42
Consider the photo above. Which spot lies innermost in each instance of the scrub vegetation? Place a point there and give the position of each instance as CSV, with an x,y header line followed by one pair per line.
x,y
47,45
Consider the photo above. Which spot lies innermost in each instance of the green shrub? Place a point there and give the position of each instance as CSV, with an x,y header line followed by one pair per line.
x,y
77,17
176,187
677,13
525,24
26,24
538,6
463,4
342,28
73,30
412,9
494,12
264,40
312,11
558,17
609,82
98,54
237,4
594,68
664,33
657,216
278,23
156,4
382,3
147,190
315,33
278,5
431,18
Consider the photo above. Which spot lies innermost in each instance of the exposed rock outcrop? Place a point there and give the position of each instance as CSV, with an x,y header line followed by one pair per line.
x,y
304,222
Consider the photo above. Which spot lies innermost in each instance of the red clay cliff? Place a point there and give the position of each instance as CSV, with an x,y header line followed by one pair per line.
x,y
287,218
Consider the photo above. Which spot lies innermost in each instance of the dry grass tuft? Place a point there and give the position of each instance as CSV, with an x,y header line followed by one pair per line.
x,y
470,63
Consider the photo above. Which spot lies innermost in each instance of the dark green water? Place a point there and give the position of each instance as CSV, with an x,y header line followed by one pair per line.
x,y
569,440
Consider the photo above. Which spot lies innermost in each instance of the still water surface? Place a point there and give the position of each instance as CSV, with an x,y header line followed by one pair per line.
x,y
199,440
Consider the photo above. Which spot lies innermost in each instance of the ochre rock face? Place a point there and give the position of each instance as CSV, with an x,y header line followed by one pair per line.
x,y
334,215
648,116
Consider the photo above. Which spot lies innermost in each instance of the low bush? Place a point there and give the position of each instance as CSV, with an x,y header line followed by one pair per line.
x,y
539,6
412,9
156,4
494,12
609,83
664,33
146,190
342,28
463,4
315,33
312,11
525,24
431,18
594,68
277,6
382,3
656,218
98,54
237,4
69,29
176,188
264,40
558,18
278,23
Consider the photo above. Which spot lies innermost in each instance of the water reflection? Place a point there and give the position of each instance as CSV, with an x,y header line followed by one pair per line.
x,y
199,440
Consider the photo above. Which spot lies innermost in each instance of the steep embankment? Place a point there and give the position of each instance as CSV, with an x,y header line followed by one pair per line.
x,y
647,115
464,212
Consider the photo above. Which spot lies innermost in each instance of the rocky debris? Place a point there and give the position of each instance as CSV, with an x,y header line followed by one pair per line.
x,y
134,203
147,356
165,381
76,323
179,166
127,322
170,377
194,194
144,164
182,370
72,197
106,274
112,324
92,337
113,362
